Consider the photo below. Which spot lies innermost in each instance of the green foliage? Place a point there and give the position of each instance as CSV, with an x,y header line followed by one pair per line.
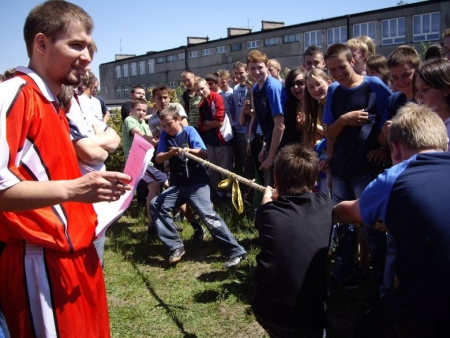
x,y
116,160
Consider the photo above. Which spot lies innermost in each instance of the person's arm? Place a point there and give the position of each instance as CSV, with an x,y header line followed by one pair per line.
x,y
106,117
278,130
88,151
347,212
208,125
94,187
196,152
107,139
354,118
148,138
218,115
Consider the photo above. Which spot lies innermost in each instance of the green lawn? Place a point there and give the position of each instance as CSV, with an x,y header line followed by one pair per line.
x,y
197,298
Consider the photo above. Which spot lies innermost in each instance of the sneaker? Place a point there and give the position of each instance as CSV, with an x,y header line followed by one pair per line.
x,y
175,255
198,235
233,262
178,227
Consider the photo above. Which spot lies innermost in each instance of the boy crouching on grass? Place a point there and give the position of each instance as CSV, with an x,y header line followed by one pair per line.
x,y
188,184
294,227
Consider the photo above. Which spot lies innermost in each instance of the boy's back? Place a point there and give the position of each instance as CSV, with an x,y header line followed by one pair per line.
x,y
290,278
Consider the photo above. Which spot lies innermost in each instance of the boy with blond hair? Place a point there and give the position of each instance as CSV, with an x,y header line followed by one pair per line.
x,y
360,53
275,69
269,97
411,200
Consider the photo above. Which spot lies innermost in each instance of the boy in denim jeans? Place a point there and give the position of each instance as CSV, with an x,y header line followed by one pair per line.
x,y
189,184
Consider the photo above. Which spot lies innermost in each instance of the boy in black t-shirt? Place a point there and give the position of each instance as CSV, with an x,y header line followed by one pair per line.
x,y
294,227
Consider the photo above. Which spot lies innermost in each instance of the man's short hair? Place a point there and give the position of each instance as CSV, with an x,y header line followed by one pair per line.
x,y
169,112
338,49
187,72
199,80
140,100
312,51
160,88
378,63
418,127
296,168
274,63
369,42
52,18
239,64
359,44
89,79
256,56
136,87
224,74
404,55
214,77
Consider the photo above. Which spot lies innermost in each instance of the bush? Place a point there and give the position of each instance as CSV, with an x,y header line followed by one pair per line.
x,y
116,160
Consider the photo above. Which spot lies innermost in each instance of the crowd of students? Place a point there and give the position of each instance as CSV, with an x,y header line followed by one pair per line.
x,y
349,136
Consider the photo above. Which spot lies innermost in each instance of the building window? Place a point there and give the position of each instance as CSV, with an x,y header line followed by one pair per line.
x,y
170,58
393,31
313,38
366,28
172,84
141,67
235,47
125,92
151,66
291,38
426,27
118,93
193,54
125,70
133,68
221,49
160,59
253,44
206,51
117,73
271,41
336,35
181,56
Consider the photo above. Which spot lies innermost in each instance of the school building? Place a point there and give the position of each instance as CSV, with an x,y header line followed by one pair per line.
x,y
413,24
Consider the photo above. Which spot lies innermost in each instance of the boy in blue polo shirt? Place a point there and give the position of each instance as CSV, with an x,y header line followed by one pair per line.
x,y
352,116
188,184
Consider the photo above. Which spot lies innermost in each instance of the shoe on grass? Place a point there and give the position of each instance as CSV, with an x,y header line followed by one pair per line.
x,y
233,262
198,235
178,227
175,255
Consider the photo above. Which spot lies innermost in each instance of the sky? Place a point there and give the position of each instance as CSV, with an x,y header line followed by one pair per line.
x,y
139,26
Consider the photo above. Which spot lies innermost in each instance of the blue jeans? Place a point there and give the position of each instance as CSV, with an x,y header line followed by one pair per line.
x,y
347,189
4,333
198,197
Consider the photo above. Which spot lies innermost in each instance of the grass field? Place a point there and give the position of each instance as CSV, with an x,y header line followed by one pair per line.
x,y
197,298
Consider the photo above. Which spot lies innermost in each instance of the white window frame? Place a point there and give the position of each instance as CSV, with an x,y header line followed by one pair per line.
x,y
125,70
365,29
172,84
220,49
207,51
133,67
426,32
117,72
393,38
253,44
119,93
336,35
193,54
141,67
291,38
181,56
171,58
151,66
125,92
312,38
273,41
